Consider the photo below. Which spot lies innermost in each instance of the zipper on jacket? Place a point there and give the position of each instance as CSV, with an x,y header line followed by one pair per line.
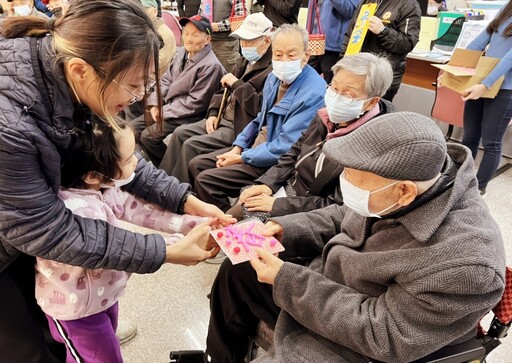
x,y
317,147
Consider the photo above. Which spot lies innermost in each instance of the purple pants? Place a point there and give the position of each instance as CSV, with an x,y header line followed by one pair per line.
x,y
90,339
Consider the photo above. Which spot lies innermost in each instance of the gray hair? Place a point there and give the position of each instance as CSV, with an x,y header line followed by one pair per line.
x,y
292,28
377,70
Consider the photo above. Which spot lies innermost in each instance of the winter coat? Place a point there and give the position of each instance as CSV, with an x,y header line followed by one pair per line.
x,y
35,134
300,166
285,121
393,289
189,84
402,19
247,91
68,292
281,12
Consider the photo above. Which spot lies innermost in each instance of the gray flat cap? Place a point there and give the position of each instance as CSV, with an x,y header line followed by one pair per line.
x,y
399,146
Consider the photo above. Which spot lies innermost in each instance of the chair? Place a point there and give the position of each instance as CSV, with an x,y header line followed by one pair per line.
x,y
474,350
173,24
447,41
448,107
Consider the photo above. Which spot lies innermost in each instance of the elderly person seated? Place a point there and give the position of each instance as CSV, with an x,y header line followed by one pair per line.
x,y
304,178
242,103
187,87
292,94
409,264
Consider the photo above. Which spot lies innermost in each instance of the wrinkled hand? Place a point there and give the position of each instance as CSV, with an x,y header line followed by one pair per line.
x,y
193,247
155,112
253,191
260,203
230,158
267,266
215,27
197,207
228,79
375,25
274,229
210,124
474,92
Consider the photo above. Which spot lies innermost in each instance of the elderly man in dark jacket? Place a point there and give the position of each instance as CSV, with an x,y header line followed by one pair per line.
x,y
240,107
187,87
409,264
393,31
309,180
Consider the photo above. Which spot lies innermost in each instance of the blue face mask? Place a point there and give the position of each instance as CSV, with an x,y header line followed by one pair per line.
x,y
251,53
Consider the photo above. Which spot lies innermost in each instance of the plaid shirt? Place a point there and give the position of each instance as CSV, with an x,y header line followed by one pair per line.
x,y
225,25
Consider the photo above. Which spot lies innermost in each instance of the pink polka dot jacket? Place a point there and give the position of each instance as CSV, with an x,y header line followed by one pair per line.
x,y
68,292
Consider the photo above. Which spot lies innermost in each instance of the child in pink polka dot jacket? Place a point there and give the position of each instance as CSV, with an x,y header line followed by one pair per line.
x,y
81,304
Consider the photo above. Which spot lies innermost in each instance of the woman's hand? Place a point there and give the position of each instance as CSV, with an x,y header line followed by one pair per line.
x,y
267,266
474,92
197,207
254,191
260,203
195,247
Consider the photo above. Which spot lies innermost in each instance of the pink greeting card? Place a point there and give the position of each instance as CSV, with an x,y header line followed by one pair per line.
x,y
239,240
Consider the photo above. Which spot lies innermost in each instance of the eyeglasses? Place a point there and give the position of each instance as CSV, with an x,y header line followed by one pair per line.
x,y
149,88
343,98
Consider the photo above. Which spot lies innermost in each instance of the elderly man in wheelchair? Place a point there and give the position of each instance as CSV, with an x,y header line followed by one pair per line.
x,y
404,270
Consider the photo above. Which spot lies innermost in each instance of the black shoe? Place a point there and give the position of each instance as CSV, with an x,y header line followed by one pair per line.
x,y
188,356
482,191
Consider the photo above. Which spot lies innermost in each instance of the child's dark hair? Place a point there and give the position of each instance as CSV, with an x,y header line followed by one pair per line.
x,y
96,149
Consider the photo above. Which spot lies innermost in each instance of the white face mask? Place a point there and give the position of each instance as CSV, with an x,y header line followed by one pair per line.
x,y
23,10
118,183
358,199
287,71
432,10
341,108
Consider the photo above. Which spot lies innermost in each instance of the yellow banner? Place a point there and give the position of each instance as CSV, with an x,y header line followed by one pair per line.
x,y
360,28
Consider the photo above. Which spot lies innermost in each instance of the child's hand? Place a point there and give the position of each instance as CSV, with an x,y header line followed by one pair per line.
x,y
267,266
197,207
188,251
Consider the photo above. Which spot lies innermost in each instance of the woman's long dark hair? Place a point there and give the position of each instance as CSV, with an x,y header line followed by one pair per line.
x,y
113,36
502,17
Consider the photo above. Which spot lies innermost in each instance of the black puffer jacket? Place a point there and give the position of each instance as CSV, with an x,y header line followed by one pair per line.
x,y
402,19
33,143
299,166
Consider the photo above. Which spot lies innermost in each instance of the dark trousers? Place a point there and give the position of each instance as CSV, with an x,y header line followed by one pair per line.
x,y
487,119
214,185
191,140
151,139
323,64
24,332
237,302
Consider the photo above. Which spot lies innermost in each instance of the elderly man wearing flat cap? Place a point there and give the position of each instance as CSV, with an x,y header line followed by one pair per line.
x,y
409,264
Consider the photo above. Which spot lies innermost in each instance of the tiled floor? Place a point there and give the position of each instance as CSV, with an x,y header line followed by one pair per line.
x,y
171,307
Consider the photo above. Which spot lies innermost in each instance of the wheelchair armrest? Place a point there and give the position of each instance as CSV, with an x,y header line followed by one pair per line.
x,y
467,351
